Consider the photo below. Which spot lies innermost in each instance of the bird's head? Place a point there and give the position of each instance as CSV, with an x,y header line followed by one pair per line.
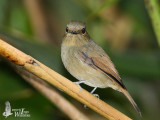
x,y
76,33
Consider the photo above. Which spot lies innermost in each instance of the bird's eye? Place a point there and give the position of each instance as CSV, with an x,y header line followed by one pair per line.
x,y
83,30
66,29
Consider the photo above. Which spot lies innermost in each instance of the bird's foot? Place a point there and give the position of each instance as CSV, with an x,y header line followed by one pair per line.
x,y
78,83
85,106
96,95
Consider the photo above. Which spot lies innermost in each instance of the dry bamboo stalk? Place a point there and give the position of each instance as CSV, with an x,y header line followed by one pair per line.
x,y
45,73
51,94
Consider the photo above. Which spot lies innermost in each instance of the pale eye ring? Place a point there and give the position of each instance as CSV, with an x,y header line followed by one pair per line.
x,y
83,30
66,29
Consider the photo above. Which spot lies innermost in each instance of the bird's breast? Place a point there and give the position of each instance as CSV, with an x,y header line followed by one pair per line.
x,y
81,70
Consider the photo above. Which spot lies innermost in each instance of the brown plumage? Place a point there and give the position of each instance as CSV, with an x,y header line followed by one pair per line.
x,y
88,62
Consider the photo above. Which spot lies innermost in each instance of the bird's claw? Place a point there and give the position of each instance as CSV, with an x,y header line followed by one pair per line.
x,y
96,95
78,83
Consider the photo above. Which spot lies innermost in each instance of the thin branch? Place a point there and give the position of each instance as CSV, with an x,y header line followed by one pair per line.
x,y
51,94
153,8
52,77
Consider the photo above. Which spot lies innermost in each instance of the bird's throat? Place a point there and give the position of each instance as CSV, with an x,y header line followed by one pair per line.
x,y
75,40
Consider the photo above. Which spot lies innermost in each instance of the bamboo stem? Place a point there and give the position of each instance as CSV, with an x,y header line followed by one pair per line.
x,y
51,94
57,80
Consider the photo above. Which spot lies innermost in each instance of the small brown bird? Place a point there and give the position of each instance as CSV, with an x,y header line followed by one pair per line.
x,y
88,62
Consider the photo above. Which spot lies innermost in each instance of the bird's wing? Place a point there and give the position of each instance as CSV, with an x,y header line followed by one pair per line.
x,y
101,63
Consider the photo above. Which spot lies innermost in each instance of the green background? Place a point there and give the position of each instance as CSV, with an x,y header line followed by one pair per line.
x,y
122,28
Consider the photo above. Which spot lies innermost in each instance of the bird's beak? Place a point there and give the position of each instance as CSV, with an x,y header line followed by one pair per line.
x,y
74,32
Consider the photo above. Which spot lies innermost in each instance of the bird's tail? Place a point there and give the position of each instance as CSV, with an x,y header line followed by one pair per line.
x,y
125,92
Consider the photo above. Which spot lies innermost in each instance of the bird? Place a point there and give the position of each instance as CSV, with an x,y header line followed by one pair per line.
x,y
88,62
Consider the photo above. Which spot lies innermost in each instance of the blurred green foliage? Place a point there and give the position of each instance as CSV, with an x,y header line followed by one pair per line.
x,y
136,57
